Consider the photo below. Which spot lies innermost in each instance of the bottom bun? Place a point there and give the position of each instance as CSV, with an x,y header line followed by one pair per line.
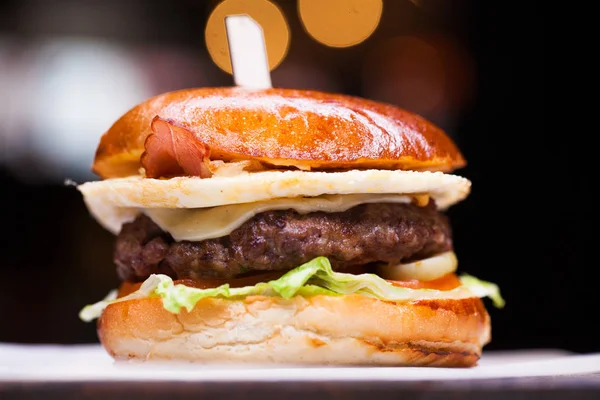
x,y
326,330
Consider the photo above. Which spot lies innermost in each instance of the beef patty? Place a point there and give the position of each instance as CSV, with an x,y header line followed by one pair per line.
x,y
283,240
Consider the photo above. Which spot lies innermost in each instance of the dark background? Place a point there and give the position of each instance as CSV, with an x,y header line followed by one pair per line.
x,y
522,226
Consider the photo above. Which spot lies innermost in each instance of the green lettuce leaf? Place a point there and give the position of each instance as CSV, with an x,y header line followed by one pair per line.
x,y
483,289
313,278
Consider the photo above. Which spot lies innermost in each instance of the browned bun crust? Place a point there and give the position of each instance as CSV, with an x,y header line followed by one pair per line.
x,y
283,127
351,330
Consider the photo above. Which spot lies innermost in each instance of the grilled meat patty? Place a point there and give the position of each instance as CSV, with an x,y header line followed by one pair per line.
x,y
283,240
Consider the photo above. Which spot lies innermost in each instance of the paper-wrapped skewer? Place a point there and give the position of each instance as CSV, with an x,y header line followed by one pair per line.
x,y
248,52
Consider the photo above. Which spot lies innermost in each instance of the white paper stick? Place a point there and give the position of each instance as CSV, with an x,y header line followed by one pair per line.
x,y
248,52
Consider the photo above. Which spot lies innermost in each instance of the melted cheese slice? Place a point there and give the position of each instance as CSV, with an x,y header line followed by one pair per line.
x,y
196,224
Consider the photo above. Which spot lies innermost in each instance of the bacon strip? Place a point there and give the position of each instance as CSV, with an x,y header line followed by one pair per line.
x,y
171,150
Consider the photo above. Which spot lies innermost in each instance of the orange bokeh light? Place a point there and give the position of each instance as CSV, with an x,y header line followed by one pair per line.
x,y
340,23
272,21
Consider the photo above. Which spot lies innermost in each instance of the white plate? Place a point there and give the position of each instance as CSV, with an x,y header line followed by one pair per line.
x,y
90,363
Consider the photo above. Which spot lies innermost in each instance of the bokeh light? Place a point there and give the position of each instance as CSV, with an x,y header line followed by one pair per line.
x,y
340,23
266,14
77,89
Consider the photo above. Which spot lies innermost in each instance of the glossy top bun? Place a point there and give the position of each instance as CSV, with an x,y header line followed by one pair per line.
x,y
283,127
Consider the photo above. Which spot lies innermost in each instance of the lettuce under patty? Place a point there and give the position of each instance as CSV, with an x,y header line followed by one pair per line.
x,y
310,279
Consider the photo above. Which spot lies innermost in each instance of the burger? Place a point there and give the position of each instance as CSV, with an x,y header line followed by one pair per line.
x,y
283,226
